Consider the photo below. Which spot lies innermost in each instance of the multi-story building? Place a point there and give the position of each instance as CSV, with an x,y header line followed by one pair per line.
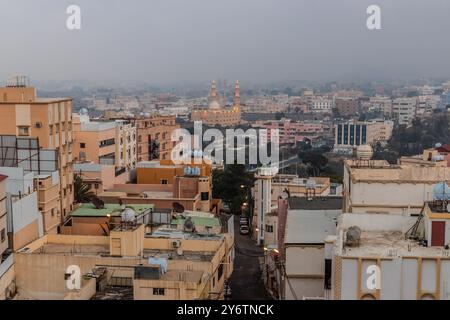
x,y
309,222
381,104
216,114
390,257
126,149
347,106
292,131
270,188
369,186
154,137
404,110
23,114
94,141
322,105
355,133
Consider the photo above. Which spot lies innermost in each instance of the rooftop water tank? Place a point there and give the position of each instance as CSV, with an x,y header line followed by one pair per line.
x,y
441,191
364,152
128,215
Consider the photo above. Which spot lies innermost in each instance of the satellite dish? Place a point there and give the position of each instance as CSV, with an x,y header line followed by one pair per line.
x,y
128,215
441,191
177,207
98,203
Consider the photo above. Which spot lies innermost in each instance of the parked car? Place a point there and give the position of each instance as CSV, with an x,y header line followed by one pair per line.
x,y
243,221
244,229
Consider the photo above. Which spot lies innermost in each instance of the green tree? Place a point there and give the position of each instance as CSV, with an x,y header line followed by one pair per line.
x,y
82,191
232,185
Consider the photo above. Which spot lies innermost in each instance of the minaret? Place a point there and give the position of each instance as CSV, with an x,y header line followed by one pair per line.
x,y
213,93
237,95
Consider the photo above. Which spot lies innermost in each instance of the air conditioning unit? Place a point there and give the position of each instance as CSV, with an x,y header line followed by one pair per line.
x,y
38,124
176,244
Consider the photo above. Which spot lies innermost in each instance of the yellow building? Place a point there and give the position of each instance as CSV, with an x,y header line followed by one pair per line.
x,y
23,114
217,115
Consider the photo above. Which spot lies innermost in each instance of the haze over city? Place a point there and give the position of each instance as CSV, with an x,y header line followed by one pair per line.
x,y
171,41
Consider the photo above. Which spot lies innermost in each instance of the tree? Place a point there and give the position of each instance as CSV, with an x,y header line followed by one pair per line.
x,y
232,185
82,191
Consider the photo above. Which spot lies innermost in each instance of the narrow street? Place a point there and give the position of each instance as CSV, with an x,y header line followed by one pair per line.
x,y
246,282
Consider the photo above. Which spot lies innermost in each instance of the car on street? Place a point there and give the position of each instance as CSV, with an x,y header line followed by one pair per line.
x,y
244,229
243,221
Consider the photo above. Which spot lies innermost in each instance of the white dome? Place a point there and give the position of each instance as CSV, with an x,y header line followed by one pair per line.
x,y
364,152
214,105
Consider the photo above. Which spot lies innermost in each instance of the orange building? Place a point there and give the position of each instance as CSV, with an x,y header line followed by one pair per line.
x,y
162,183
154,135
23,114
94,141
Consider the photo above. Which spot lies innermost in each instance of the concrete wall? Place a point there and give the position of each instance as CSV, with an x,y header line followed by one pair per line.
x,y
400,279
377,197
305,267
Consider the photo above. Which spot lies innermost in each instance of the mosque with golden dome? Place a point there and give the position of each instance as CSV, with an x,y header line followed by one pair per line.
x,y
215,114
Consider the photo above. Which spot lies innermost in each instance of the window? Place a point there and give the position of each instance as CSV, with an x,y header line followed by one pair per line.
x,y
269,228
82,145
327,279
220,271
3,235
163,181
205,196
107,142
158,291
96,186
23,131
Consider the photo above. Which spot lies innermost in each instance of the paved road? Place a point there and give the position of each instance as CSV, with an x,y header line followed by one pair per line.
x,y
246,282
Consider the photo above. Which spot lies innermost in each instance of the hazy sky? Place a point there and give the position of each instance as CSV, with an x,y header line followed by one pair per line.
x,y
166,41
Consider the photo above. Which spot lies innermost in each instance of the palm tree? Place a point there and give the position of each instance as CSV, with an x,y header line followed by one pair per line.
x,y
82,190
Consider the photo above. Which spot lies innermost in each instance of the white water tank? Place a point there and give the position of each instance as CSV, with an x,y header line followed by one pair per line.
x,y
364,152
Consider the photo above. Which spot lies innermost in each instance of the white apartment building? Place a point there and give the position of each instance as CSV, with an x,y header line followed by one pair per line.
x,y
404,110
322,105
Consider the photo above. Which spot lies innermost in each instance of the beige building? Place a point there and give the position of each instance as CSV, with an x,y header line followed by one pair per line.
x,y
23,114
216,114
126,149
308,224
47,186
167,265
388,261
375,186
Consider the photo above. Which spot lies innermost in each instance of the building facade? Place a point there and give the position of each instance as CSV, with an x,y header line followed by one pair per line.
x,y
216,114
23,114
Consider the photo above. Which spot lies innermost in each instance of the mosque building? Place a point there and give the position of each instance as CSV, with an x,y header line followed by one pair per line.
x,y
216,114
